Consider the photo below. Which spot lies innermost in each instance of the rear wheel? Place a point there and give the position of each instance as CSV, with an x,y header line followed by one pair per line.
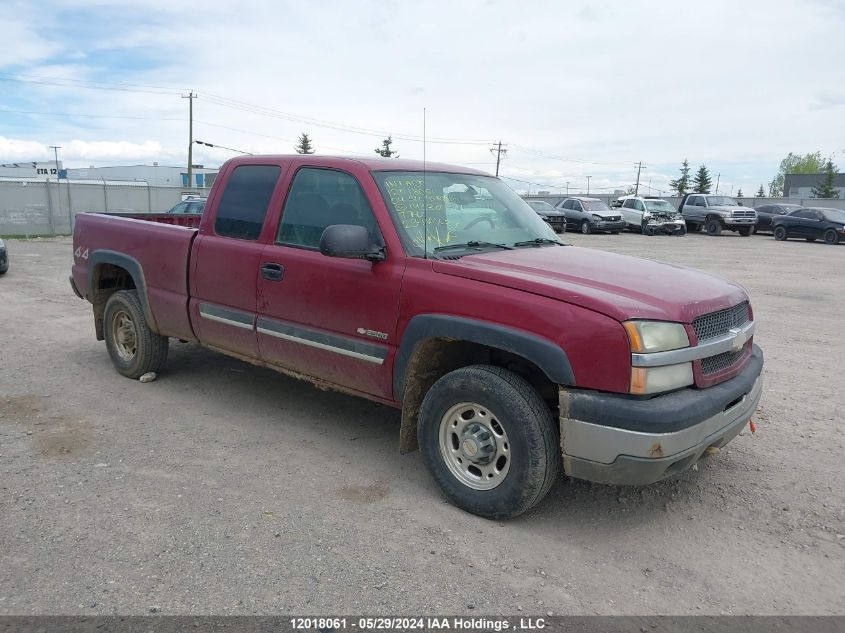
x,y
714,227
693,227
586,228
489,441
831,237
780,233
134,348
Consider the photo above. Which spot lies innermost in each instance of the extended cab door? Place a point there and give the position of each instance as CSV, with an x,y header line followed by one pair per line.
x,y
226,255
330,318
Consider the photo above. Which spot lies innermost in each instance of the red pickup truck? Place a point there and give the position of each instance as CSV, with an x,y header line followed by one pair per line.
x,y
436,290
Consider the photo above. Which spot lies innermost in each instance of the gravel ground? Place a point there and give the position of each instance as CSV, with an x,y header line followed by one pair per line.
x,y
229,489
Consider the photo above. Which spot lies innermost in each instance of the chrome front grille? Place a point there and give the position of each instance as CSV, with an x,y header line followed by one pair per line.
x,y
719,323
743,213
720,362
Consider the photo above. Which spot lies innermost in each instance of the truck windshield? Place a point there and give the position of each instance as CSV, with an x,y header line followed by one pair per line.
x,y
721,201
435,209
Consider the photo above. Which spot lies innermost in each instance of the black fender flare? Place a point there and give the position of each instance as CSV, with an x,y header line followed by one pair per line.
x,y
131,266
545,354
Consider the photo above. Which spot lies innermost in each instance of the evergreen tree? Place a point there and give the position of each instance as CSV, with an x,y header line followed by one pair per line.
x,y
761,193
739,193
824,188
304,145
385,150
702,181
681,185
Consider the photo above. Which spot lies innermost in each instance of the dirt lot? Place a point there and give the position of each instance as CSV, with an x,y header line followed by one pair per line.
x,y
226,488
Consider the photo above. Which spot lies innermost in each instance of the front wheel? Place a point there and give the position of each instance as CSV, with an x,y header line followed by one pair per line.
x,y
745,231
714,227
586,228
780,233
831,237
489,441
134,348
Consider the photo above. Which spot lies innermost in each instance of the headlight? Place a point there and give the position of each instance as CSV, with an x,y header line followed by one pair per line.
x,y
655,336
725,214
647,380
598,218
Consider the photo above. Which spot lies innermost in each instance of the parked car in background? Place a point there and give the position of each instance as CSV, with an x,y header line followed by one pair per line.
x,y
716,213
767,212
551,216
651,215
589,215
4,258
812,223
189,206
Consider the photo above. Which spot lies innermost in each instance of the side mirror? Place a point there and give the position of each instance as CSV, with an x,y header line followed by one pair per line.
x,y
349,242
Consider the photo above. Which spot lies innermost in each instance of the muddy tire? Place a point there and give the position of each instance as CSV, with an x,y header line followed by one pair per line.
x,y
713,226
831,237
133,347
489,441
780,233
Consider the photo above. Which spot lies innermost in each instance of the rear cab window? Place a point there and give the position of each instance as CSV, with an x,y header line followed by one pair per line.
x,y
243,205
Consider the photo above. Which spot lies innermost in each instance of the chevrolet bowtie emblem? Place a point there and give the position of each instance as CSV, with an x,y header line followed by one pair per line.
x,y
740,338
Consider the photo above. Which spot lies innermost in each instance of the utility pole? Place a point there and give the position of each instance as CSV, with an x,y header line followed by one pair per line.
x,y
190,97
499,152
717,182
639,169
588,185
56,149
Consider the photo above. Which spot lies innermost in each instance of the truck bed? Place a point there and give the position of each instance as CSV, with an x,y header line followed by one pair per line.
x,y
154,250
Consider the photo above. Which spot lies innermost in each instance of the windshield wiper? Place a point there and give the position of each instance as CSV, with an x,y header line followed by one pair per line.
x,y
471,244
539,241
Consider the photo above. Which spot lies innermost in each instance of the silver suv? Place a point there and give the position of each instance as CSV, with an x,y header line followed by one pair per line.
x,y
590,214
715,213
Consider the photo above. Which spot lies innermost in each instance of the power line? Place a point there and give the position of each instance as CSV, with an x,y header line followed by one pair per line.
x,y
231,149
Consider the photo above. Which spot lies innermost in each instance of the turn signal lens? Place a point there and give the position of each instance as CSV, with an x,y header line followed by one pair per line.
x,y
649,380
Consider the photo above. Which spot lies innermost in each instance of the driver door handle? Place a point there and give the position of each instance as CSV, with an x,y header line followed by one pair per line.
x,y
272,272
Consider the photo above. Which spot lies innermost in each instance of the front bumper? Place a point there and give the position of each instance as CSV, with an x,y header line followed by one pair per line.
x,y
739,221
623,441
667,228
608,226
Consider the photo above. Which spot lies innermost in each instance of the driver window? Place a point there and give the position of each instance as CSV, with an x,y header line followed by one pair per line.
x,y
319,198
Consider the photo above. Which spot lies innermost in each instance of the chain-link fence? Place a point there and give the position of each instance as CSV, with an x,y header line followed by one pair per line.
x,y
38,207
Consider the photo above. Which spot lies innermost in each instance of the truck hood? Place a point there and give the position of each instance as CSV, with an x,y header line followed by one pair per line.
x,y
618,286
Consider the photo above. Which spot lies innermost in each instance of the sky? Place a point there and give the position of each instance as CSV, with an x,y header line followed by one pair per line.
x,y
572,89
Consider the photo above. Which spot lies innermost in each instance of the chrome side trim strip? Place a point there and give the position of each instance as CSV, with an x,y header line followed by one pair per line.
x,y
235,318
322,340
727,343
603,444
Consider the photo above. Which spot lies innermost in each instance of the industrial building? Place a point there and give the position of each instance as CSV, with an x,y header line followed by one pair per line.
x,y
155,175
801,185
33,169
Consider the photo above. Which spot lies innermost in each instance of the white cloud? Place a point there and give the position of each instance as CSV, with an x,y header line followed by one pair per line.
x,y
735,86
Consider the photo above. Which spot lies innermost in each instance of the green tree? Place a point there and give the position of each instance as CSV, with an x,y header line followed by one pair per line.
x,y
304,145
824,188
385,150
810,163
739,193
681,185
702,182
761,193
